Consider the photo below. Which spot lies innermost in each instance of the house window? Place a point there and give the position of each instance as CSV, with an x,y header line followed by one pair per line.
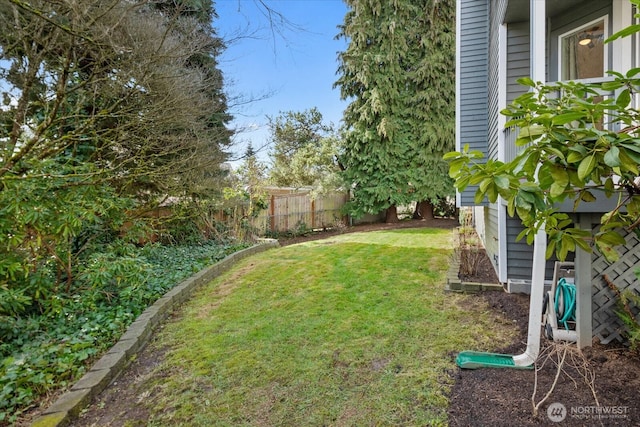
x,y
582,52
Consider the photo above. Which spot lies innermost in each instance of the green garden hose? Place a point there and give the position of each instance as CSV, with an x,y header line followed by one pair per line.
x,y
565,302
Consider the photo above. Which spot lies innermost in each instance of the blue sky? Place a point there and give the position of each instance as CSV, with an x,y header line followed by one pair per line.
x,y
295,70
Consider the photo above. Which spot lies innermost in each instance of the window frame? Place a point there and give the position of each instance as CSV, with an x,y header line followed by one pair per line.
x,y
605,57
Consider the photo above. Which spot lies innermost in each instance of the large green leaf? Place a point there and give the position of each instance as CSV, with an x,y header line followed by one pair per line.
x,y
614,85
486,182
530,132
612,157
523,213
526,163
492,192
522,202
556,190
456,166
612,238
575,157
609,187
544,177
623,99
451,155
586,166
633,145
502,181
529,187
624,33
462,182
627,162
566,244
560,175
562,119
526,81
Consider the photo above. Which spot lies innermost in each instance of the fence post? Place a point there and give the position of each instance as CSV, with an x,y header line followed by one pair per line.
x,y
345,218
286,218
272,218
313,214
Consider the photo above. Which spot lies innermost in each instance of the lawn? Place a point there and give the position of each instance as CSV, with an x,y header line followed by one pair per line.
x,y
351,330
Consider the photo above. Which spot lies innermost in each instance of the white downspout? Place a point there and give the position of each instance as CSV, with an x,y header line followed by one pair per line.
x,y
538,74
535,303
502,120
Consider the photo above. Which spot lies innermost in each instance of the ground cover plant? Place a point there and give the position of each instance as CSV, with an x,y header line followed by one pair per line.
x,y
44,352
348,330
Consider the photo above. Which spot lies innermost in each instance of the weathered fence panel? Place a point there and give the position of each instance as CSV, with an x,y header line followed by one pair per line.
x,y
301,211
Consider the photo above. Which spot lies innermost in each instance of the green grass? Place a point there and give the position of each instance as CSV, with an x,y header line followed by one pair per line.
x,y
353,330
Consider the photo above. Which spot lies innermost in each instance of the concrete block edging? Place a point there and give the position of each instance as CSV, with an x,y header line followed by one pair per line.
x,y
115,360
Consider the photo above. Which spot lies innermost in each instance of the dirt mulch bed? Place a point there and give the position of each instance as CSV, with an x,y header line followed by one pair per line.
x,y
502,397
483,397
485,273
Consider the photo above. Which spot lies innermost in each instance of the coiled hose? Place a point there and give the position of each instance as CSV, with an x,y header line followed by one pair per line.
x,y
565,302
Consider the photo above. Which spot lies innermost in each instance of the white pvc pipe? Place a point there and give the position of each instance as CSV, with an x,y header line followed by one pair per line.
x,y
537,55
564,335
535,303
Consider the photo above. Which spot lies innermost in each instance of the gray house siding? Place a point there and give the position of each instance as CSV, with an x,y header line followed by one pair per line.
x,y
497,14
473,75
520,255
492,236
518,64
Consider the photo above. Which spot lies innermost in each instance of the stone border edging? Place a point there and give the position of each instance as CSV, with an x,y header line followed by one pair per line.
x,y
454,284
112,363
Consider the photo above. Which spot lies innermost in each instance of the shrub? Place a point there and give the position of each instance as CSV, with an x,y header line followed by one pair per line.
x,y
47,350
469,249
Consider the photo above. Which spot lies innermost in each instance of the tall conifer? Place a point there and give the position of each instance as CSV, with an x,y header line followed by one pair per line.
x,y
398,71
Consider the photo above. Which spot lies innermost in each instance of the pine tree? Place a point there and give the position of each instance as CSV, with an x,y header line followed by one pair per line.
x,y
398,70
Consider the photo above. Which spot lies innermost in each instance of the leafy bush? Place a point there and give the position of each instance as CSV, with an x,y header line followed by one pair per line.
x,y
628,299
46,226
445,208
300,229
628,312
45,351
566,157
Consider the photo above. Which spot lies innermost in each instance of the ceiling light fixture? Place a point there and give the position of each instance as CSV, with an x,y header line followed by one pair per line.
x,y
584,39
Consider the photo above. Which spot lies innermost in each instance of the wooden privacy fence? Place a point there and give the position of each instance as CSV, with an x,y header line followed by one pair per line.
x,y
300,211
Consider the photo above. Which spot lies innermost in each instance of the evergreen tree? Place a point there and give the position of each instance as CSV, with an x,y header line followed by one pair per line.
x,y
252,179
398,70
304,150
193,20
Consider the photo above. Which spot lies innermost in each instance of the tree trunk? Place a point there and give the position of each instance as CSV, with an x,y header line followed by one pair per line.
x,y
424,210
392,214
416,212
